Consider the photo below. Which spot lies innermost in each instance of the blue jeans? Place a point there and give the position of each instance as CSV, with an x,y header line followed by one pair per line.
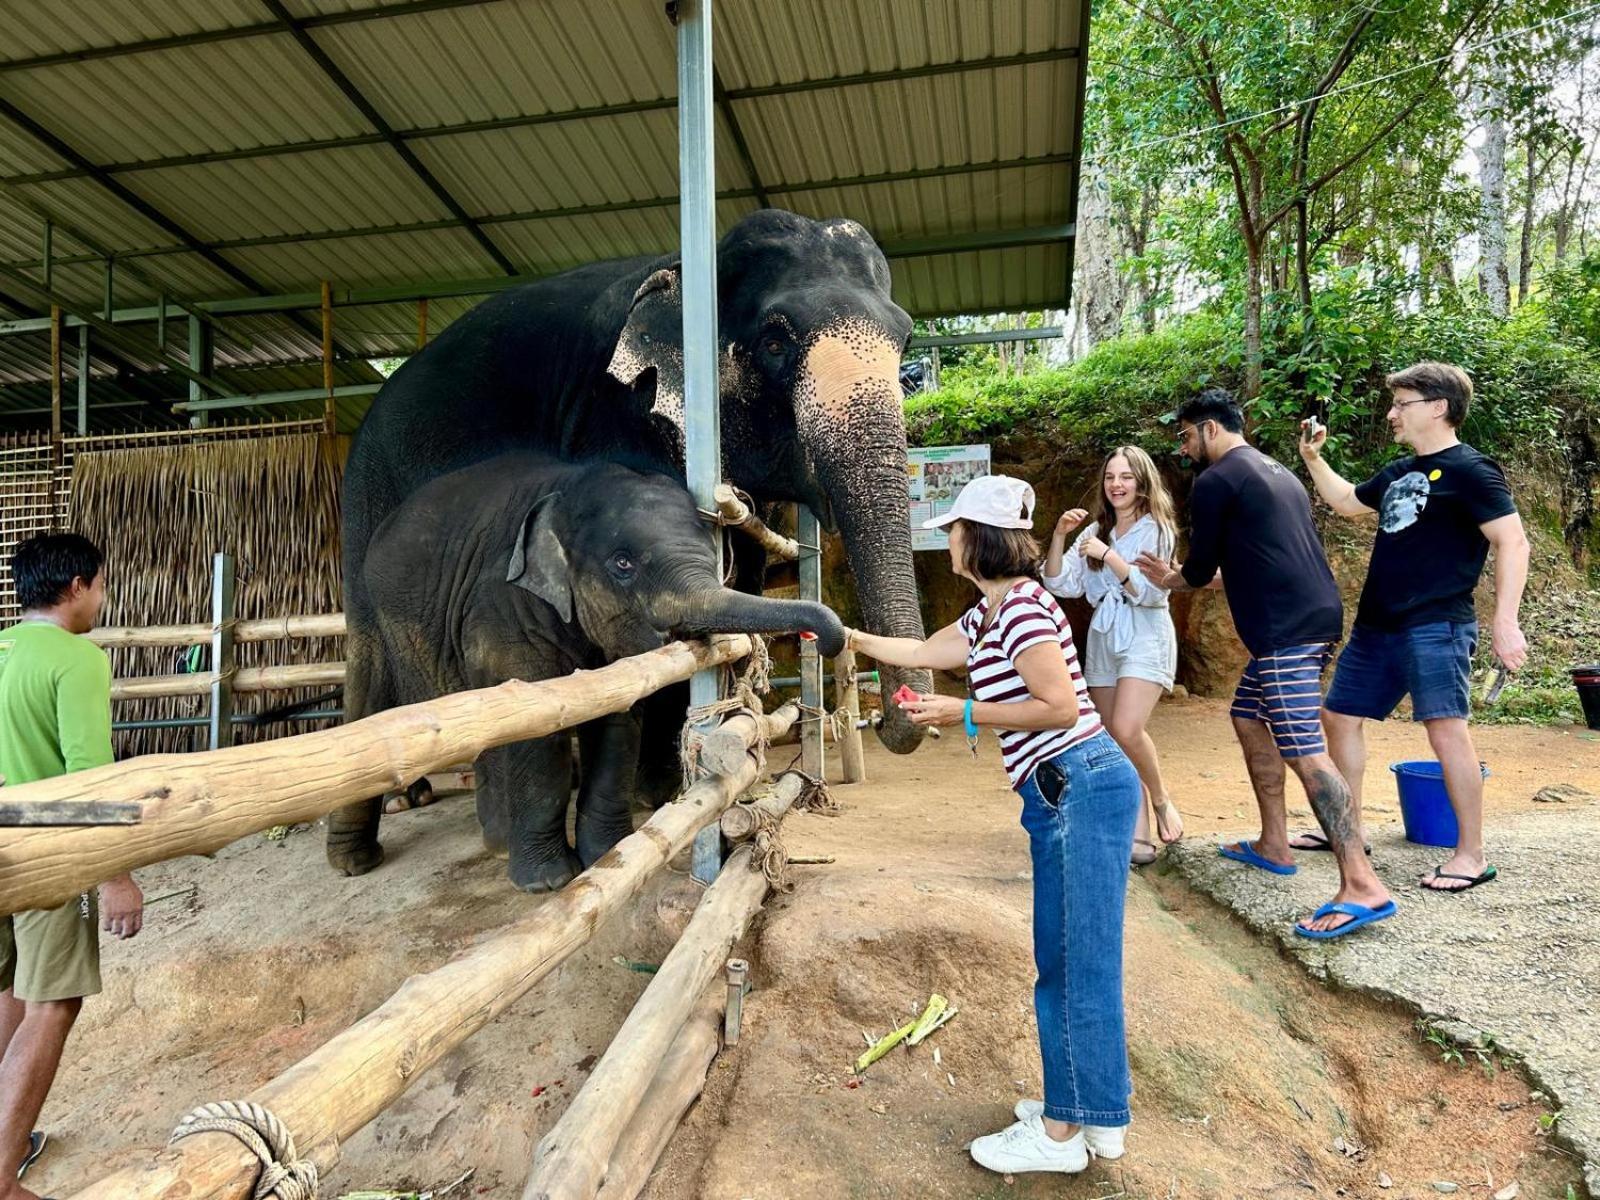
x,y
1431,663
1081,845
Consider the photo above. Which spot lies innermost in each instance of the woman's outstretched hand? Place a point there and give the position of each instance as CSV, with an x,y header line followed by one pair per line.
x,y
934,710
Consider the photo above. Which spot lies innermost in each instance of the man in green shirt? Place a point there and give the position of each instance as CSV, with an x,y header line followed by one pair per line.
x,y
55,718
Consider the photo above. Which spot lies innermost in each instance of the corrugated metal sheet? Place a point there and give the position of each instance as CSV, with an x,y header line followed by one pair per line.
x,y
519,61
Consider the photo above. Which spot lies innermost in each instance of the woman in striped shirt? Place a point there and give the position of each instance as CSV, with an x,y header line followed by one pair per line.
x,y
1080,796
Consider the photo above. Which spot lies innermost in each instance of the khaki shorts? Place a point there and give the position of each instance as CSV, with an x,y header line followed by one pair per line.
x,y
52,954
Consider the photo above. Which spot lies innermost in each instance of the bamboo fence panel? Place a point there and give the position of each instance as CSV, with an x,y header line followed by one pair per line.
x,y
161,505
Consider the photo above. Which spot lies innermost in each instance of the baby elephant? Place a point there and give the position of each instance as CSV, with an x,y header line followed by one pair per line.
x,y
526,567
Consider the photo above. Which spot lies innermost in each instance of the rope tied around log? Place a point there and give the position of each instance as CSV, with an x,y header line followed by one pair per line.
x,y
284,1175
768,854
744,696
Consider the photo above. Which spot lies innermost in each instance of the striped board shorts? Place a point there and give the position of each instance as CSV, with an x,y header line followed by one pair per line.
x,y
1283,690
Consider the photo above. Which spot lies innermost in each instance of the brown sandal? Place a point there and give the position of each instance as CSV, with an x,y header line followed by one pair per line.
x,y
1143,858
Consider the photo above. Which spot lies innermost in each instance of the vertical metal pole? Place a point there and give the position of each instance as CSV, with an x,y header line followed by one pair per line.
x,y
161,322
111,286
697,233
53,491
328,412
808,533
49,254
83,381
222,650
199,360
422,323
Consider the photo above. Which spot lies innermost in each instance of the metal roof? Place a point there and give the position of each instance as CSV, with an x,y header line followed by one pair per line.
x,y
232,154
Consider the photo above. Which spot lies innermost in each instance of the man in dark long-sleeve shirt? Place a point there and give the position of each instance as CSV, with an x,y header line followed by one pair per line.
x,y
1250,518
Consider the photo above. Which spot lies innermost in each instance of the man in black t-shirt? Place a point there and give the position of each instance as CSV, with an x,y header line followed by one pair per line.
x,y
1439,512
1250,519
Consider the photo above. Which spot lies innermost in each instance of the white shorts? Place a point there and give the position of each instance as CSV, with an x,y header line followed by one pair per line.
x,y
1153,656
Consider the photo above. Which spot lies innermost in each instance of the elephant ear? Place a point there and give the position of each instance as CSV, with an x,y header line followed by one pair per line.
x,y
652,338
538,560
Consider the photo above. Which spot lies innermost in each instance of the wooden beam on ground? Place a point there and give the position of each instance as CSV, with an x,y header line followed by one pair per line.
x,y
334,1091
570,1161
736,513
678,1084
198,803
69,812
261,629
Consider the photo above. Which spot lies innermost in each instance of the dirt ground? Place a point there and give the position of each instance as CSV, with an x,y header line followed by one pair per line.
x,y
1251,1079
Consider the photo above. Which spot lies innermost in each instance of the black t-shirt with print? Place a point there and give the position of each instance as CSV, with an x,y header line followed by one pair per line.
x,y
1430,550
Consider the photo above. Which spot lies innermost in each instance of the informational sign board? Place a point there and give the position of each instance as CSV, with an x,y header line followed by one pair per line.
x,y
936,475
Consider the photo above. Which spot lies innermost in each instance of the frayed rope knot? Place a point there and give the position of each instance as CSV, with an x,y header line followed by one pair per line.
x,y
284,1175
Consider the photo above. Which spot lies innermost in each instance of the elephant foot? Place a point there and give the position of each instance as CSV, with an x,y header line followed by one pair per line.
x,y
545,874
355,860
596,837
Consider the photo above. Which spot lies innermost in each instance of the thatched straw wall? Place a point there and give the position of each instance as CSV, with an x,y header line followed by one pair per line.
x,y
161,510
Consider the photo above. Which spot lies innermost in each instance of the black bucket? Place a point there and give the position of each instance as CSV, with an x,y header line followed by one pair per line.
x,y
1587,681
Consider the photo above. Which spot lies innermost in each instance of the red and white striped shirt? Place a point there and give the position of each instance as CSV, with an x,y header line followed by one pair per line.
x,y
1028,616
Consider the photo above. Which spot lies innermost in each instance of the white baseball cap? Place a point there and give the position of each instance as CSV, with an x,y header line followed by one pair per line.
x,y
991,500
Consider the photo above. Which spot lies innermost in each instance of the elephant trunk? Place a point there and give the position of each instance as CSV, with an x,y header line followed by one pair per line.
x,y
723,610
850,411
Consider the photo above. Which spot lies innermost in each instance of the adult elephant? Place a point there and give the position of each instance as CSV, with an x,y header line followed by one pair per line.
x,y
589,363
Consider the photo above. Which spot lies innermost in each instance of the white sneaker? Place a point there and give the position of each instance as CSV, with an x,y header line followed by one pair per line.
x,y
1025,1146
1104,1141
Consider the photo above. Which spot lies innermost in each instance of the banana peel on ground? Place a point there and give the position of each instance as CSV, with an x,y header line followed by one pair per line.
x,y
937,1013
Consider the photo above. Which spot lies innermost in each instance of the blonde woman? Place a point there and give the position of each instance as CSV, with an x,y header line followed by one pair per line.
x,y
1132,649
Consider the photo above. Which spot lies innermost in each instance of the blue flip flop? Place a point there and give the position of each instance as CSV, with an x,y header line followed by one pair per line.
x,y
1246,853
1360,915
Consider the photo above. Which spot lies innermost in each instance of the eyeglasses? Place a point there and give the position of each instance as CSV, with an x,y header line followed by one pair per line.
x,y
1421,400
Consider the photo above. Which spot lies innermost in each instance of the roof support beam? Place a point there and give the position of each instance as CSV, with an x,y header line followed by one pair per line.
x,y
559,118
111,336
581,210
960,243
297,30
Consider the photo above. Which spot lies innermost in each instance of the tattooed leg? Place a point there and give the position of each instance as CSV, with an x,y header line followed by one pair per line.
x,y
1329,796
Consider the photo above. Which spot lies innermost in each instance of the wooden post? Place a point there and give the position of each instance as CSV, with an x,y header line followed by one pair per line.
x,y
422,323
198,803
570,1162
83,381
338,1088
329,414
678,1083
202,349
221,728
810,543
847,703
55,410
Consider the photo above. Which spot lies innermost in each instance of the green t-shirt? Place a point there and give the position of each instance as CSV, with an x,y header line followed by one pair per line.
x,y
55,703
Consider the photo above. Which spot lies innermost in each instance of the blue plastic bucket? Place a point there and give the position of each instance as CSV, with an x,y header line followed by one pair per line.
x,y
1425,804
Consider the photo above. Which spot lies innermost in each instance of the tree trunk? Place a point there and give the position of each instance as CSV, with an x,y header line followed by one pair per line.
x,y
1104,292
1525,247
1494,281
1252,320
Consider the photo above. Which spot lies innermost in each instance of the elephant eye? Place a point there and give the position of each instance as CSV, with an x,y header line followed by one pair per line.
x,y
775,348
622,565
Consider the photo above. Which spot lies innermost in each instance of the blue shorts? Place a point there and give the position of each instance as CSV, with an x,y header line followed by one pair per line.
x,y
1431,663
1283,690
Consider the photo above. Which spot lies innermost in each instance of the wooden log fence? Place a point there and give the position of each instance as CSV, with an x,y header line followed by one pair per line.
x,y
344,1084
736,513
198,803
570,1162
